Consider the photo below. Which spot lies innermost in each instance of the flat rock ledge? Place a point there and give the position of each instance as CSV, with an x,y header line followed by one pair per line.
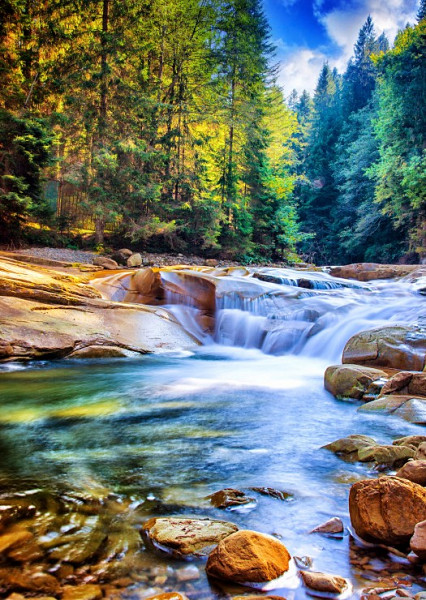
x,y
45,314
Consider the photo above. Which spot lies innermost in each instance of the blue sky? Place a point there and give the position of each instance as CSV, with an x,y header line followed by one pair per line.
x,y
309,32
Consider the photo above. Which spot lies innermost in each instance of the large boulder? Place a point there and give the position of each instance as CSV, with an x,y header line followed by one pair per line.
x,y
135,260
105,263
350,381
397,347
387,509
185,536
406,382
413,470
248,557
410,440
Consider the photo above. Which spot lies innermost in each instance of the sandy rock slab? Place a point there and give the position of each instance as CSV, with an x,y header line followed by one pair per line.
x,y
386,510
248,557
181,536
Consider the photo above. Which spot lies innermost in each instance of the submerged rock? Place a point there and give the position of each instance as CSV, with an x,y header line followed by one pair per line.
x,y
82,592
397,347
248,557
351,381
413,470
273,493
183,536
229,497
323,582
387,509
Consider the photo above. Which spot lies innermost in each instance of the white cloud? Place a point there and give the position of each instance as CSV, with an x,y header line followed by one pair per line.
x,y
300,67
300,70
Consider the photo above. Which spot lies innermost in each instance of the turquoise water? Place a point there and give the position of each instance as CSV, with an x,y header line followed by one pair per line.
x,y
165,431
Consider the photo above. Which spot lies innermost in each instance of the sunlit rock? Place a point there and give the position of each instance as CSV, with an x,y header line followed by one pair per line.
x,y
386,455
333,525
105,263
397,347
350,444
135,260
414,470
387,509
410,440
371,271
406,382
82,592
182,536
351,381
248,557
324,582
31,578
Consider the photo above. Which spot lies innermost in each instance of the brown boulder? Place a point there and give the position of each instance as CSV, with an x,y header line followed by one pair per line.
x,y
421,452
323,582
105,263
82,592
135,260
418,541
350,444
414,470
186,536
397,347
248,557
405,382
386,510
371,271
410,440
350,381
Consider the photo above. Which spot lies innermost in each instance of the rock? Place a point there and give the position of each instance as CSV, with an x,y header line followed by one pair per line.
x,y
63,317
79,547
248,557
272,492
13,512
386,455
212,262
386,510
350,444
167,596
421,452
101,352
135,260
397,347
418,541
406,382
105,263
190,573
28,579
229,497
82,592
121,256
413,470
333,525
350,381
371,271
186,536
412,409
323,582
410,440
14,538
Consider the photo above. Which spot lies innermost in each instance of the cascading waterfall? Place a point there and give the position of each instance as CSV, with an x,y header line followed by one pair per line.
x,y
279,311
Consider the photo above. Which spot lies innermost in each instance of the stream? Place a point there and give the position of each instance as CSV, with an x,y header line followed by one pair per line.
x,y
155,435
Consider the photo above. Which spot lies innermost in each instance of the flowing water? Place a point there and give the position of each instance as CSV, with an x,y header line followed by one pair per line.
x,y
247,409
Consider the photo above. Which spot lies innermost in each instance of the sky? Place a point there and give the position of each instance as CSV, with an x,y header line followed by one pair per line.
x,y
309,32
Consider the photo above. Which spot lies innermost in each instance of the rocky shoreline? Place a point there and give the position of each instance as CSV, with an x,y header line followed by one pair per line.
x,y
60,544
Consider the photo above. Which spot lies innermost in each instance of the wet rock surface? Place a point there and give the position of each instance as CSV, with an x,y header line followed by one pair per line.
x,y
386,510
186,536
351,381
323,582
248,557
413,470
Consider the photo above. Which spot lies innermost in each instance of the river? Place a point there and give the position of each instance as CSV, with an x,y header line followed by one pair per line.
x,y
161,432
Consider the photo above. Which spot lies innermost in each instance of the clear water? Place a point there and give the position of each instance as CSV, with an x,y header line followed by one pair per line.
x,y
170,430
163,432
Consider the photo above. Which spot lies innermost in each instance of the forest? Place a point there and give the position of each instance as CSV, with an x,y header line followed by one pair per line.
x,y
167,117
